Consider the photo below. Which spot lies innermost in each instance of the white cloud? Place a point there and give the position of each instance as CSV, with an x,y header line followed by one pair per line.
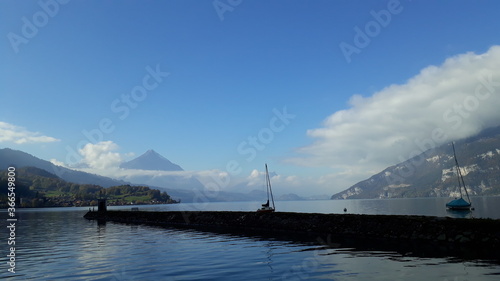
x,y
126,174
284,184
19,135
255,178
258,178
101,155
57,163
442,103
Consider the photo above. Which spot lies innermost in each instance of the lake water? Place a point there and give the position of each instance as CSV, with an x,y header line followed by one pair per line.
x,y
59,244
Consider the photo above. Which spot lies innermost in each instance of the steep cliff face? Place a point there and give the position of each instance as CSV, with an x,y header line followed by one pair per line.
x,y
433,173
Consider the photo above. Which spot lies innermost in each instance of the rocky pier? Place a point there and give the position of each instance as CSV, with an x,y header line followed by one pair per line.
x,y
482,236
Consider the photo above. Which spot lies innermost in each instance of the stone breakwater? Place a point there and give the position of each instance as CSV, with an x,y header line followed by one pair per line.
x,y
476,233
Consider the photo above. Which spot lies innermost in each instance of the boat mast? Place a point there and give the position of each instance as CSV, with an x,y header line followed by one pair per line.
x,y
268,183
459,174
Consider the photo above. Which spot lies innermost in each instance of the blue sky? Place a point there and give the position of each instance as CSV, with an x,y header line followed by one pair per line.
x,y
67,65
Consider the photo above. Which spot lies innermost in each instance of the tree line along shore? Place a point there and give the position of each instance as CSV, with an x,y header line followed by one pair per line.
x,y
36,188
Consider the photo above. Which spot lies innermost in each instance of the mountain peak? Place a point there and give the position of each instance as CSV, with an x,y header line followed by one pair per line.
x,y
151,153
151,160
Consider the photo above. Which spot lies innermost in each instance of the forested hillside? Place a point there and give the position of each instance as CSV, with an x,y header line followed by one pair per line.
x,y
433,173
35,187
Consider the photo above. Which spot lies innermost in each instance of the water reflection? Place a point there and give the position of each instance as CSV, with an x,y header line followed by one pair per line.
x,y
58,243
61,245
460,214
269,255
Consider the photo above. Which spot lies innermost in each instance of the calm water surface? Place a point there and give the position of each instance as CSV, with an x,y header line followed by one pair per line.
x,y
58,244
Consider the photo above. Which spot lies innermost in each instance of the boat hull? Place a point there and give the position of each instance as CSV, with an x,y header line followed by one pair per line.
x,y
265,210
458,204
461,208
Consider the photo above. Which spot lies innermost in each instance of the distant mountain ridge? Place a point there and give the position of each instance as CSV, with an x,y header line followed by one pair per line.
x,y
181,188
186,188
151,160
36,187
179,185
17,158
433,173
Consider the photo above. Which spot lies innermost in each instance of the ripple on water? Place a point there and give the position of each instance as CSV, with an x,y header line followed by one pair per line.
x,y
64,246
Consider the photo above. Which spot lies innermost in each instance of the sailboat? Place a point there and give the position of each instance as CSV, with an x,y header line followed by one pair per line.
x,y
266,208
459,203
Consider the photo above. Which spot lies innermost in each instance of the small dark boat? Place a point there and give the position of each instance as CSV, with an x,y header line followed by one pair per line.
x,y
266,208
459,204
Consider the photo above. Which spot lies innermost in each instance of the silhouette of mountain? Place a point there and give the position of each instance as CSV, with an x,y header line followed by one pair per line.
x,y
10,157
151,160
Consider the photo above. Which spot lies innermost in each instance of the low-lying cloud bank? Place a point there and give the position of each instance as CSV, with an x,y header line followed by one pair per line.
x,y
442,103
